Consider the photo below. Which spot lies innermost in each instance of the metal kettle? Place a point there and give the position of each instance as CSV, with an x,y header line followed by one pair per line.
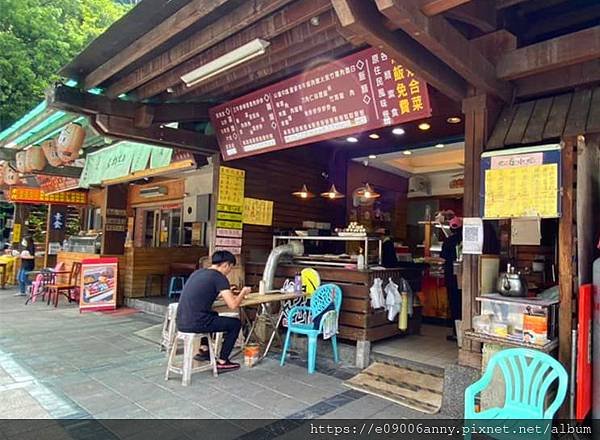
x,y
511,283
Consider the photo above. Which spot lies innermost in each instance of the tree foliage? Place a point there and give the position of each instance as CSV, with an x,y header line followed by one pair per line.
x,y
38,37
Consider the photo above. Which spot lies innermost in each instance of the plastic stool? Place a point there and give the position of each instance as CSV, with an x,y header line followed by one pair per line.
x,y
191,344
176,286
169,328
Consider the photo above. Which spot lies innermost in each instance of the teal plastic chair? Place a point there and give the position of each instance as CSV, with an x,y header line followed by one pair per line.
x,y
528,375
326,297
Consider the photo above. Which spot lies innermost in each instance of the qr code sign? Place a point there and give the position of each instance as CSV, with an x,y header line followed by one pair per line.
x,y
470,234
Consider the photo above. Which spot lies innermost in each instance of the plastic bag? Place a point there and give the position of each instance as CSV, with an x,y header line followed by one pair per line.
x,y
376,294
392,300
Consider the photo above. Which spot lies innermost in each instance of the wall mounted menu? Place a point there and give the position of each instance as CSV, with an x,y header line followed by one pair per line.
x,y
258,212
521,182
363,91
230,207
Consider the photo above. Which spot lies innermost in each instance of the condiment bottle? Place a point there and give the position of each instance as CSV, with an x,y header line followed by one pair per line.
x,y
298,283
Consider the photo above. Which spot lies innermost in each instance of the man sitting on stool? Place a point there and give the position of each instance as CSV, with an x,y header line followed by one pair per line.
x,y
195,314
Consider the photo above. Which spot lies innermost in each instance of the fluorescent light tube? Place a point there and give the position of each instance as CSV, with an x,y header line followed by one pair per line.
x,y
231,59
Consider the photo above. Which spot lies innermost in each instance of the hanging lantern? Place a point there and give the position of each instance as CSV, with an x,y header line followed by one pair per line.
x,y
11,175
69,142
303,193
51,154
2,166
20,162
35,160
333,193
367,192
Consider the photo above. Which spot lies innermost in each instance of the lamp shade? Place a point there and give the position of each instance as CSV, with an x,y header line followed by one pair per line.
x,y
304,193
333,193
367,192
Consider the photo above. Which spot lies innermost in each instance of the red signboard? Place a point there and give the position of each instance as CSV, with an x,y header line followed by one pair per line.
x,y
54,184
363,91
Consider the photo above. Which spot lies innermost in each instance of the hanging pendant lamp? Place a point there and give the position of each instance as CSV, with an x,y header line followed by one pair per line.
x,y
333,193
367,192
303,193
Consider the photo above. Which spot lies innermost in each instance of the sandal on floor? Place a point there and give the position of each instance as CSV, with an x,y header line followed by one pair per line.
x,y
227,366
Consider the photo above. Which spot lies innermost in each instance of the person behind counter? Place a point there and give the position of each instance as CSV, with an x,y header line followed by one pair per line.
x,y
450,255
195,314
27,256
388,249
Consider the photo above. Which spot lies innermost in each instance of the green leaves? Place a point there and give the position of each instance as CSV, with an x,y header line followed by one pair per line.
x,y
37,37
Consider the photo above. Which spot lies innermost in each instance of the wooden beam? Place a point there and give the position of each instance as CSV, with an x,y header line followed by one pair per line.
x,y
478,13
562,21
179,21
60,171
144,115
566,50
7,154
248,13
73,100
124,128
448,44
436,7
267,29
285,46
495,44
503,4
361,20
559,80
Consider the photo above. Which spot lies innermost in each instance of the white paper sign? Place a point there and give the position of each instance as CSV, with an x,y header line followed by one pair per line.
x,y
472,235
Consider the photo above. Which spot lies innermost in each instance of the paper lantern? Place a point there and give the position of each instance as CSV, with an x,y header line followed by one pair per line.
x,y
51,154
20,162
11,175
2,166
69,142
35,159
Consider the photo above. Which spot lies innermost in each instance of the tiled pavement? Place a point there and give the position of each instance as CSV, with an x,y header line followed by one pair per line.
x,y
60,364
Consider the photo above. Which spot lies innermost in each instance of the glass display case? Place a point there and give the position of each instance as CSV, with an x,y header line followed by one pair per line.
x,y
89,243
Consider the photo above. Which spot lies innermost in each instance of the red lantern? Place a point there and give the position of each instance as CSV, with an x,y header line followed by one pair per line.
x,y
69,142
51,154
35,159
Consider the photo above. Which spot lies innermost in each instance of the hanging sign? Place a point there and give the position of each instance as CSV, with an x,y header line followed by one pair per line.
x,y
53,184
258,212
363,91
58,221
229,210
23,194
98,284
521,182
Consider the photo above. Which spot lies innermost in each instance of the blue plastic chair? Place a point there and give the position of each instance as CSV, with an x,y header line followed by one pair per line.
x,y
320,301
528,375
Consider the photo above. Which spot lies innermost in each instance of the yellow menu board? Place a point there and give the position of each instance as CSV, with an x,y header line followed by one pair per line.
x,y
231,186
258,212
523,191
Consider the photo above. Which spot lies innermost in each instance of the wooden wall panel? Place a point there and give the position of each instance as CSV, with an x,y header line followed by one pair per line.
x,y
275,176
175,192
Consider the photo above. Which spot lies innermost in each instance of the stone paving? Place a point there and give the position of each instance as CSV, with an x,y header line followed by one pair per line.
x,y
60,364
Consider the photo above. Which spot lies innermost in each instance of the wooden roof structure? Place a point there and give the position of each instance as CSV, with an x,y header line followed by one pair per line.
x,y
513,50
547,119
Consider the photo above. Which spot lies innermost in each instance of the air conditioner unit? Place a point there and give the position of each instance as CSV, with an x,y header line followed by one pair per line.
x,y
419,184
196,209
153,191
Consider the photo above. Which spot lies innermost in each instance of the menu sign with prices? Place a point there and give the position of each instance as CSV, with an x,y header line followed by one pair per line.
x,y
23,194
521,182
230,207
363,91
258,212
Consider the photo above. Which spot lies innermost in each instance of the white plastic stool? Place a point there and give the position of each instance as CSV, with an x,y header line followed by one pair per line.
x,y
191,344
169,328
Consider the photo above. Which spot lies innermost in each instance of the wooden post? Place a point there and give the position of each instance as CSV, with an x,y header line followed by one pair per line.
x,y
114,220
567,254
212,233
480,112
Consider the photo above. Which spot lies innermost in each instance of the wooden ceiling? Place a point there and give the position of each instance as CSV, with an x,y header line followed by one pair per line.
x,y
513,49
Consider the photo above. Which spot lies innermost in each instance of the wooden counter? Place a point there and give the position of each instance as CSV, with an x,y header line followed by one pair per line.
x,y
358,322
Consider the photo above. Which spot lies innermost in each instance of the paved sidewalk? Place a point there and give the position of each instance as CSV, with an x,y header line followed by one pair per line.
x,y
60,364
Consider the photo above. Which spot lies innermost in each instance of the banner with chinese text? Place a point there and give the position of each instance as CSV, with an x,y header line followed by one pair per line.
x,y
230,208
363,91
258,212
